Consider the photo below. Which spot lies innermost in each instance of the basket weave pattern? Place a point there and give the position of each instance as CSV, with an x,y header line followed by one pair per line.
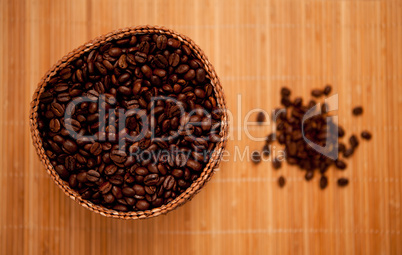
x,y
95,43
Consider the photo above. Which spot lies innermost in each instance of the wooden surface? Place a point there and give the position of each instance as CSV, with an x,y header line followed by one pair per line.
x,y
256,47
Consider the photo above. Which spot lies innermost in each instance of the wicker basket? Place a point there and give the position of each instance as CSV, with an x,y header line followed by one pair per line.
x,y
196,185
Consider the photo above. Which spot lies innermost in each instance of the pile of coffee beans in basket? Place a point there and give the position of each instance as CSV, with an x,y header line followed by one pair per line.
x,y
301,126
130,125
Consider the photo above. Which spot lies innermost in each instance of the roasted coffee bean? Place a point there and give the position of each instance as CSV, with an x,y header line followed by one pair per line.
x,y
70,146
57,109
327,90
358,110
118,156
340,164
93,176
128,192
169,183
256,157
195,165
161,42
140,57
316,93
309,175
151,179
343,182
115,52
110,169
281,181
96,149
105,187
353,141
348,152
142,205
178,173
323,182
276,163
54,125
285,92
173,43
341,131
260,117
366,135
62,171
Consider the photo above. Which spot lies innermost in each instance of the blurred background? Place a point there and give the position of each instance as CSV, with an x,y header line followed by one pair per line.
x,y
256,47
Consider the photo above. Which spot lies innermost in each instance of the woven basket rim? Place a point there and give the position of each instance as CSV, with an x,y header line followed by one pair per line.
x,y
207,172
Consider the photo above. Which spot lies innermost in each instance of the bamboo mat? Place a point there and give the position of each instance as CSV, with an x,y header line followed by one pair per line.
x,y
256,47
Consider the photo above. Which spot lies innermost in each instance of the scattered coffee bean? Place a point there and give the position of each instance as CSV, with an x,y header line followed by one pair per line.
x,y
358,110
319,129
348,152
281,181
276,163
353,141
256,157
260,117
340,164
343,182
309,175
323,182
366,135
327,90
316,93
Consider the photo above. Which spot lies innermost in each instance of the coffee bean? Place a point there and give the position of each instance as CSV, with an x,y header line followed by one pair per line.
x,y
105,187
353,141
256,157
174,59
309,175
276,163
151,179
341,131
260,117
173,43
96,149
142,205
327,90
129,192
54,125
200,75
366,135
93,176
340,164
281,181
181,69
195,165
316,93
343,182
358,110
161,42
169,182
57,109
115,52
349,152
323,182
70,146
140,57
285,92
110,169
70,163
62,171
118,156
